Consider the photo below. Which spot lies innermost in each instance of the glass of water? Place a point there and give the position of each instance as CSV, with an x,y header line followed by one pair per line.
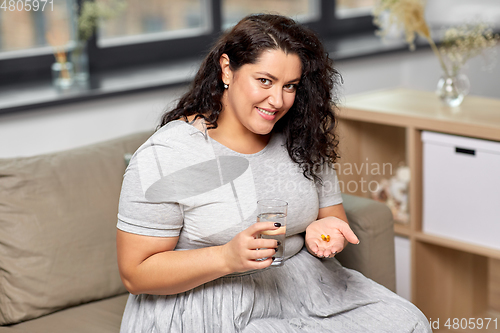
x,y
274,210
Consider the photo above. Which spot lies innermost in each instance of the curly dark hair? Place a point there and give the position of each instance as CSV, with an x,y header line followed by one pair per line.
x,y
308,127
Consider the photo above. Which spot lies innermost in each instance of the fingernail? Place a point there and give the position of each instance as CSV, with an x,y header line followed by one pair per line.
x,y
276,249
273,258
277,224
279,243
357,242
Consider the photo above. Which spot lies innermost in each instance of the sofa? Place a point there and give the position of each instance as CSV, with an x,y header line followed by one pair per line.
x,y
58,269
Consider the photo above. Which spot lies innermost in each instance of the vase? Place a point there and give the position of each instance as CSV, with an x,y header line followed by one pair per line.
x,y
452,89
62,75
80,60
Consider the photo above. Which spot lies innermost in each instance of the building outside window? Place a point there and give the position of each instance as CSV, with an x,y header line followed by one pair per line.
x,y
301,10
159,19
353,8
26,26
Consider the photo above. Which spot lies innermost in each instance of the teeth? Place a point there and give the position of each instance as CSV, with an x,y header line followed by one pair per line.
x,y
266,112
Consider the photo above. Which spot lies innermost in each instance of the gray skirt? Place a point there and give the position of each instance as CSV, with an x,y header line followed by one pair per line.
x,y
306,294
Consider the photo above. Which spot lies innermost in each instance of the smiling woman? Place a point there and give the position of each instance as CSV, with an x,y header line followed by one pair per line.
x,y
188,242
257,96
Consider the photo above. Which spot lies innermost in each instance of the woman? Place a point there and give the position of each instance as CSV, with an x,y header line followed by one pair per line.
x,y
257,123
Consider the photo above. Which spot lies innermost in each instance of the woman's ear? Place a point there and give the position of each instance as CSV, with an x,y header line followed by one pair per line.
x,y
226,70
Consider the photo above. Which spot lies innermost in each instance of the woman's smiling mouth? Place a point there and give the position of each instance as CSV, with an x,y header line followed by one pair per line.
x,y
268,115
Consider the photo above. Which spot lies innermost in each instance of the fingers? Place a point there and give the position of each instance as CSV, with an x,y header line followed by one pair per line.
x,y
260,243
329,245
259,259
260,264
326,253
319,250
255,242
246,250
262,253
346,230
258,227
313,246
329,253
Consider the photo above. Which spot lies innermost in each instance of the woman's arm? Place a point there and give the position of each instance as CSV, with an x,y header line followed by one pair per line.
x,y
149,265
331,221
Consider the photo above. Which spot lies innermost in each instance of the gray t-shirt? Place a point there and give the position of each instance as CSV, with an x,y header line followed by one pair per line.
x,y
181,182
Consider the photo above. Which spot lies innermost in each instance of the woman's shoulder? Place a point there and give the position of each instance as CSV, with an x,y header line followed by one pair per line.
x,y
175,133
172,139
175,146
171,130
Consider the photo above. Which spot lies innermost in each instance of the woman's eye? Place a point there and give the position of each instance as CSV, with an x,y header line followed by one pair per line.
x,y
266,82
290,87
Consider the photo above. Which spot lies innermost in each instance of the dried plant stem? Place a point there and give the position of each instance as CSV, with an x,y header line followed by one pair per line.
x,y
465,42
438,54
64,71
57,39
408,14
60,56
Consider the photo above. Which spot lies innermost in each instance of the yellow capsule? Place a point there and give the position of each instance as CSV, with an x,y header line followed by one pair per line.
x,y
327,238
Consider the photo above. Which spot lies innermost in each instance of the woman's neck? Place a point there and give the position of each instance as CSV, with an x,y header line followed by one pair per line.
x,y
232,134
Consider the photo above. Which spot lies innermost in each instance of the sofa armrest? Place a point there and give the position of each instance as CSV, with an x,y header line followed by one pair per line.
x,y
374,256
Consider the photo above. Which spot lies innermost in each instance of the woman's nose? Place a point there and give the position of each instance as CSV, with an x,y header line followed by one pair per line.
x,y
275,99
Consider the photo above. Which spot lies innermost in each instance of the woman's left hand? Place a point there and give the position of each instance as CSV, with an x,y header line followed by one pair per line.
x,y
339,234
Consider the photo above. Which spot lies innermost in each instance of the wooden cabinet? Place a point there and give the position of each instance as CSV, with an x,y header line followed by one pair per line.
x,y
378,131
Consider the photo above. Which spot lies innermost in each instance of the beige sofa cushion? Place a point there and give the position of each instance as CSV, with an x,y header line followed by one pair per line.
x,y
57,228
372,222
103,316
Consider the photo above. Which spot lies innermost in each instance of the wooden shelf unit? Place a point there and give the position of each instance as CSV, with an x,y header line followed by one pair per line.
x,y
449,279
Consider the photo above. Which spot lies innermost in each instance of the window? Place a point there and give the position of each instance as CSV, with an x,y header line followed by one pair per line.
x,y
301,10
146,31
353,8
28,26
159,20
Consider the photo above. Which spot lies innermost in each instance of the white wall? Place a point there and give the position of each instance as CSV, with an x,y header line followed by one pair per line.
x,y
62,127
417,70
71,125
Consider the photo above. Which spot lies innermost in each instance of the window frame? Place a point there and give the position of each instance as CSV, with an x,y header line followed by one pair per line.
x,y
37,67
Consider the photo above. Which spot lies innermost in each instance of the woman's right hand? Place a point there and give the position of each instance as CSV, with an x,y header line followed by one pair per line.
x,y
243,251
149,265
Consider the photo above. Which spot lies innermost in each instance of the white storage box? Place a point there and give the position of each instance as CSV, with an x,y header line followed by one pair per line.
x,y
461,188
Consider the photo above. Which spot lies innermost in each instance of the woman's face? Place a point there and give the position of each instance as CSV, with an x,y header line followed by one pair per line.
x,y
260,94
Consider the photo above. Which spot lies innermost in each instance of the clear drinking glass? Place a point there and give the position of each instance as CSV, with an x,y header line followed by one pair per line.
x,y
62,75
274,210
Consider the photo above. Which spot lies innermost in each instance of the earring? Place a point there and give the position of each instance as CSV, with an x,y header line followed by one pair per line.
x,y
225,86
